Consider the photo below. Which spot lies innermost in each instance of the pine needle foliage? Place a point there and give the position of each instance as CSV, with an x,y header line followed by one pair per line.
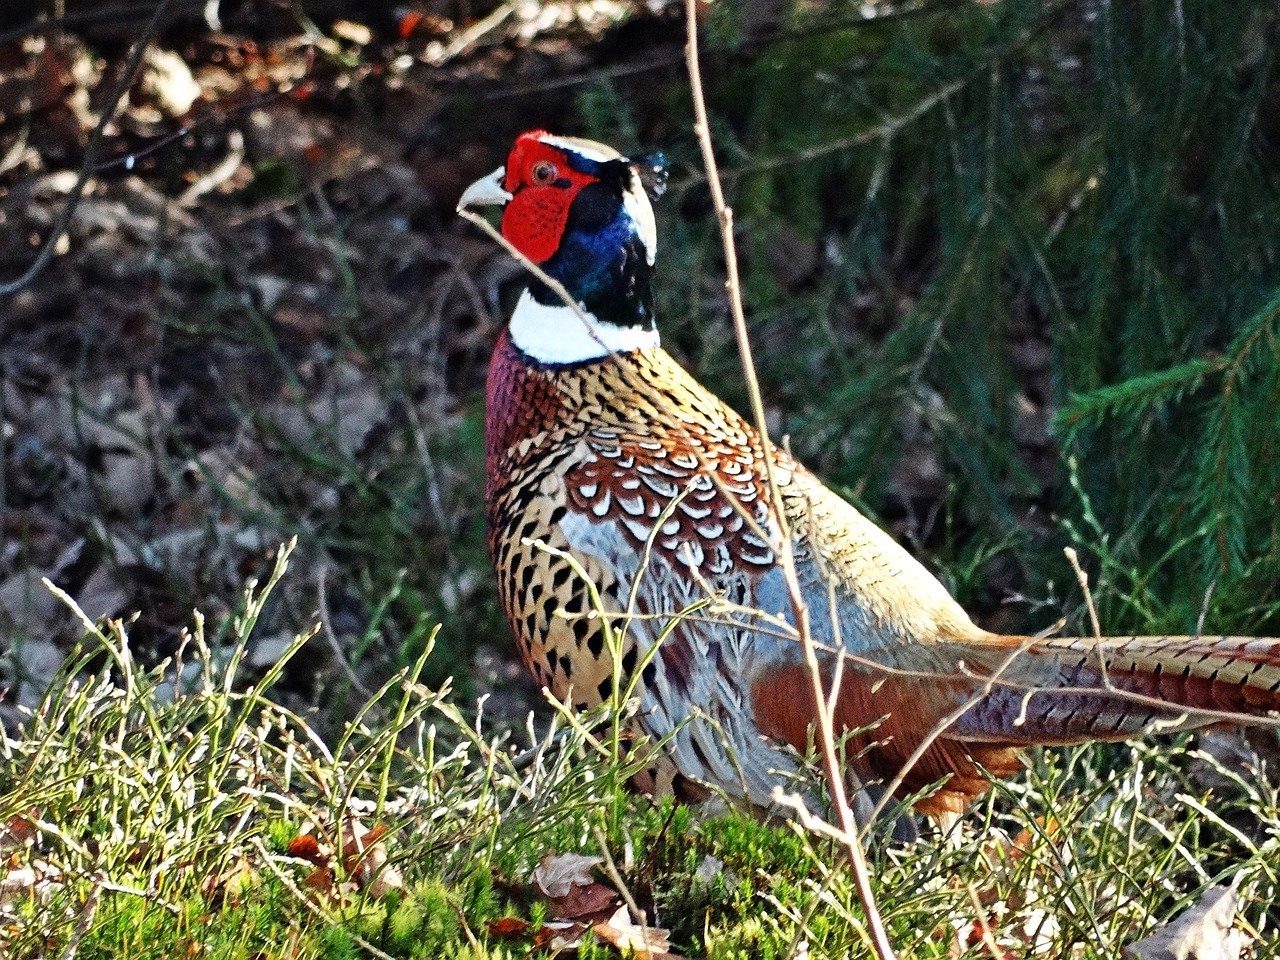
x,y
923,194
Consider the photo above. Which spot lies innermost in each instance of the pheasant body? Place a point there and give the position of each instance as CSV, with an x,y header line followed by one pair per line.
x,y
605,458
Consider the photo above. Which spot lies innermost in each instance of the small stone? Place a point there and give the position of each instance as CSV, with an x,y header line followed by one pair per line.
x,y
268,651
37,662
27,603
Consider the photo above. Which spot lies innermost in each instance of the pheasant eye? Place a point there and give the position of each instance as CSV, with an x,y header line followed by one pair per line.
x,y
544,173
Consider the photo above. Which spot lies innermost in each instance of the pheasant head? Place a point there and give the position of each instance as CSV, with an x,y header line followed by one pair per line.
x,y
582,212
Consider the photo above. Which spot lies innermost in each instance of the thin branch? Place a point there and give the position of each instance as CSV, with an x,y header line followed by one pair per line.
x,y
611,868
831,763
559,288
85,921
1083,579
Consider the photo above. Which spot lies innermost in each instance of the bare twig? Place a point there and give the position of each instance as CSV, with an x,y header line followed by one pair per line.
x,y
611,869
559,288
831,763
473,34
1083,579
226,169
85,921
326,624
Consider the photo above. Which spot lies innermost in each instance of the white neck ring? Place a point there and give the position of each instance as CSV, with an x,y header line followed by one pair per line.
x,y
557,334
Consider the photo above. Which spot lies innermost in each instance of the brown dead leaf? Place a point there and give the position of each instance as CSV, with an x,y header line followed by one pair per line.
x,y
559,935
365,859
306,847
505,927
1204,931
643,943
559,873
320,879
18,831
593,901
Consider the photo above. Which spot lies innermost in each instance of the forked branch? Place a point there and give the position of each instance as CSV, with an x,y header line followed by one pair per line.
x,y
847,832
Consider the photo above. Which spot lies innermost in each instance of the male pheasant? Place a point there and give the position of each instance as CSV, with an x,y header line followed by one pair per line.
x,y
604,456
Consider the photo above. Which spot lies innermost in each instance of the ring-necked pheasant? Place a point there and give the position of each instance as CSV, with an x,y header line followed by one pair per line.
x,y
603,449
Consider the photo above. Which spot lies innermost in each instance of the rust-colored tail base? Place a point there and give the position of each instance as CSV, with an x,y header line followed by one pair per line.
x,y
1024,692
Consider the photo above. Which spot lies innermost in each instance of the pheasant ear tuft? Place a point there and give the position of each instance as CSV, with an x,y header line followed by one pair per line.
x,y
651,168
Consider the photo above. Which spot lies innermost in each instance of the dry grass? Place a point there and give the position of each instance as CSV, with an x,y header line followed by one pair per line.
x,y
149,816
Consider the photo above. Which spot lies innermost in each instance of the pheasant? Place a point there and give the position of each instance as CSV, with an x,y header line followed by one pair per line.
x,y
614,479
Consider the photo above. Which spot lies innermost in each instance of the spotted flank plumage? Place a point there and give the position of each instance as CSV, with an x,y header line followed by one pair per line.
x,y
610,468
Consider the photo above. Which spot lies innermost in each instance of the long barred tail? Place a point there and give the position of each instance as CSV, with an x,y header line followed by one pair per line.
x,y
1067,690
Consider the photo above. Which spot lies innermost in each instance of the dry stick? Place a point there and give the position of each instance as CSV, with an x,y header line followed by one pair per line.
x,y
84,922
559,288
611,869
848,824
1083,579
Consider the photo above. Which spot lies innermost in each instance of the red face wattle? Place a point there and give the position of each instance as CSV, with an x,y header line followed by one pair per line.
x,y
543,187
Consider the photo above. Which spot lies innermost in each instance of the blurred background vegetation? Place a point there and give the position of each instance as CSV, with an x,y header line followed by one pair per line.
x,y
1011,272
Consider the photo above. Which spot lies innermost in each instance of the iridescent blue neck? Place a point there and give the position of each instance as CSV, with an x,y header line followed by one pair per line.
x,y
605,264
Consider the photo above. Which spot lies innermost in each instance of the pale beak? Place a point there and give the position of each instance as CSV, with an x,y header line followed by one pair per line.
x,y
485,192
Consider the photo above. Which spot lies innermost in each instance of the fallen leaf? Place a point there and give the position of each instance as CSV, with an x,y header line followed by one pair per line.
x,y
594,901
306,847
559,935
320,879
168,80
365,859
18,831
559,873
644,943
1203,932
356,33
507,927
